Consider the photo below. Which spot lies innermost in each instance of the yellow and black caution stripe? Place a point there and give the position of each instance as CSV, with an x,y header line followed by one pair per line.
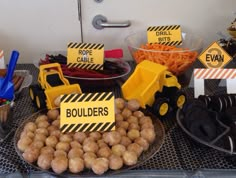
x,y
91,127
86,97
85,46
172,43
163,28
85,66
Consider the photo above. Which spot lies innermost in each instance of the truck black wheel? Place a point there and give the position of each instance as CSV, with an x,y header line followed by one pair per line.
x,y
161,107
179,99
33,90
40,100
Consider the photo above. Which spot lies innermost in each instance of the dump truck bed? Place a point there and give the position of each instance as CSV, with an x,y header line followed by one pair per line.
x,y
143,83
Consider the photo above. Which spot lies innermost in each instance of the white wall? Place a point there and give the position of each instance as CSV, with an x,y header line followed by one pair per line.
x,y
36,26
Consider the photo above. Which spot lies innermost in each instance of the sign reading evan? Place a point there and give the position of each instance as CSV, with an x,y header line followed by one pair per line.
x,y
214,56
87,112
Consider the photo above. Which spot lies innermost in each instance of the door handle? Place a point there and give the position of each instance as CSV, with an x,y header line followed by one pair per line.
x,y
100,22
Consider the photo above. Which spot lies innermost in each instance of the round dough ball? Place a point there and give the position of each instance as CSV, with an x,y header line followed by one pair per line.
x,y
75,144
148,134
115,162
112,138
31,154
119,117
120,103
133,104
95,135
56,133
59,164
88,139
135,148
57,101
147,125
43,131
118,149
59,153
53,114
24,143
138,114
47,150
145,119
89,159
44,161
90,147
142,142
104,152
121,131
75,152
101,143
126,113
125,141
100,166
43,124
56,123
133,134
130,158
80,137
51,128
28,134
30,126
37,144
122,124
63,146
51,141
41,118
76,165
65,138
40,137
134,126
132,119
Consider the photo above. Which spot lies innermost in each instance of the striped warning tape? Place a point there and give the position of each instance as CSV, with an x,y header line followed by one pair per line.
x,y
172,43
91,127
163,28
1,54
215,73
85,66
86,97
85,46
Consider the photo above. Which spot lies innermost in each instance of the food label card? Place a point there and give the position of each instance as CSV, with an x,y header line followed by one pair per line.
x,y
167,35
214,56
2,62
87,112
85,55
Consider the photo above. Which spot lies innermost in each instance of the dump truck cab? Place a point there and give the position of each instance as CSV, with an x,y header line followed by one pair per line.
x,y
154,87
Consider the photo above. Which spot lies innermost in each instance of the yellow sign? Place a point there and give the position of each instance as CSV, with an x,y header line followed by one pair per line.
x,y
85,55
167,35
214,56
87,112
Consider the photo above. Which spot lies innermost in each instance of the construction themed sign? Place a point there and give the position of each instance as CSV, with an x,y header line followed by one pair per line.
x,y
87,112
214,73
214,56
168,35
85,55
2,62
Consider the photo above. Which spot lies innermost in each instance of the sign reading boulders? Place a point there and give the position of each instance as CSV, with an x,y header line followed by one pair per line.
x,y
214,56
167,35
87,112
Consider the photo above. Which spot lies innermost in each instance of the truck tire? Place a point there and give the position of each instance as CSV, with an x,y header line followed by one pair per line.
x,y
40,100
33,90
179,99
161,107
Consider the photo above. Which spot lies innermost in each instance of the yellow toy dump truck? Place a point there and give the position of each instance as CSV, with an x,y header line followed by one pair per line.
x,y
154,87
51,84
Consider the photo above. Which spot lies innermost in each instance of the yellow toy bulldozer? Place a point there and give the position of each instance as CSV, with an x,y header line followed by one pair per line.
x,y
51,84
154,87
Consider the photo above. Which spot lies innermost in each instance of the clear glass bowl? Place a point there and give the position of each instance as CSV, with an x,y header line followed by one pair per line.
x,y
177,61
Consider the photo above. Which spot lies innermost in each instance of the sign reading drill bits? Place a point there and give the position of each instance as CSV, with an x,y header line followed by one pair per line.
x,y
214,56
85,55
87,112
166,35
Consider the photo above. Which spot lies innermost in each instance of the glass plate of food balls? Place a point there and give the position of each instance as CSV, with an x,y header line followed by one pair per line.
x,y
138,136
